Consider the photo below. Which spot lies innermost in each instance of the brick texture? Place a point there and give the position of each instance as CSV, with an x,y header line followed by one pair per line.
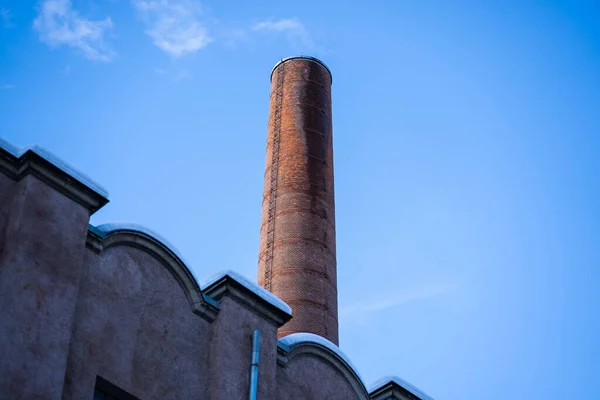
x,y
297,256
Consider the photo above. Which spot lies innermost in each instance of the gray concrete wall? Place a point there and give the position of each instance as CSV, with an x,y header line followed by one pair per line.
x,y
307,376
40,270
7,191
231,345
134,327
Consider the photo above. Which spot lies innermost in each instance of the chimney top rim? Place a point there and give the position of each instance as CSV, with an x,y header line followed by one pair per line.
x,y
308,58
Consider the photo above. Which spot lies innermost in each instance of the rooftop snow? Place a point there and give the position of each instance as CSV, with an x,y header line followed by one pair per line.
x,y
269,297
57,162
105,229
253,287
295,339
400,382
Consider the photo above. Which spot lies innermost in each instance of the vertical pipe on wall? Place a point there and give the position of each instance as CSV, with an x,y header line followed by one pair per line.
x,y
254,365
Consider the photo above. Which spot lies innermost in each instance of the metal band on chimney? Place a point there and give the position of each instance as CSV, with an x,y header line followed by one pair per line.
x,y
308,58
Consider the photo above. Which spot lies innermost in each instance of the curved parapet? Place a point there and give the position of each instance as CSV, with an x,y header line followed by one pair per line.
x,y
134,235
309,344
393,387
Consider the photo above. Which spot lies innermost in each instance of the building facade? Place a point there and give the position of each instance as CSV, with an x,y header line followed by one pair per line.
x,y
113,312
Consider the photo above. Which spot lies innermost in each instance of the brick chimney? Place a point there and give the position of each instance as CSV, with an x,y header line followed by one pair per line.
x,y
297,257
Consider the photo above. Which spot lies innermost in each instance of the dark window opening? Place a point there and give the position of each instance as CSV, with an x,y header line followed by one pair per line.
x,y
107,391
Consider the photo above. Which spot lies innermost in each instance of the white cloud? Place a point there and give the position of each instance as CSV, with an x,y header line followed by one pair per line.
x,y
297,35
6,86
232,37
182,76
6,18
58,24
290,24
174,75
424,293
175,26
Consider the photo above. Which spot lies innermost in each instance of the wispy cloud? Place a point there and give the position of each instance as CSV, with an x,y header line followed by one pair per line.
x,y
424,293
289,24
6,86
175,75
296,33
232,37
58,24
182,76
6,18
175,26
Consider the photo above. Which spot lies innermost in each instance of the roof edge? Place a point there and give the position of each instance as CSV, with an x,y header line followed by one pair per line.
x,y
305,342
19,162
249,294
110,235
308,58
387,382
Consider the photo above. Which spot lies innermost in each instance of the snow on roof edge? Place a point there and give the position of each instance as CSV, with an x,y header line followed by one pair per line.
x,y
107,228
400,382
252,286
295,339
57,162
269,297
12,149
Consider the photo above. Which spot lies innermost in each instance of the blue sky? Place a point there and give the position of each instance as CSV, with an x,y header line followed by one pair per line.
x,y
466,153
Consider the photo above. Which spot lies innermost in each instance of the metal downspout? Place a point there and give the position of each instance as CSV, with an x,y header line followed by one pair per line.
x,y
254,365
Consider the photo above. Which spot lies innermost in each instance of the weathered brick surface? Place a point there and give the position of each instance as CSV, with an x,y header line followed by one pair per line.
x,y
298,262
